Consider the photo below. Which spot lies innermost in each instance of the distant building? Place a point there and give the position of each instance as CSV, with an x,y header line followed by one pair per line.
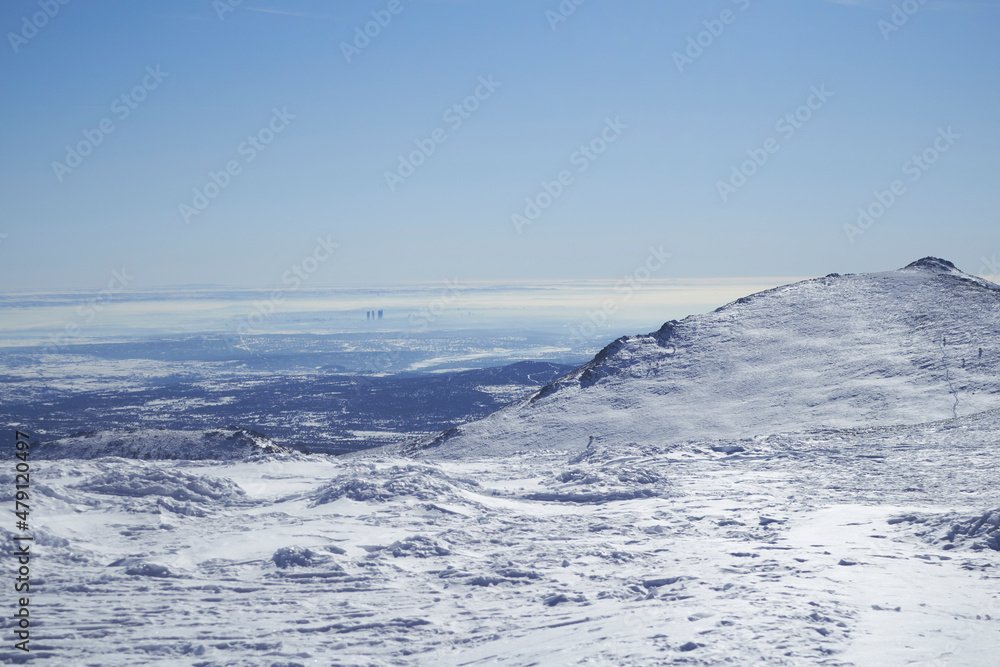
x,y
380,314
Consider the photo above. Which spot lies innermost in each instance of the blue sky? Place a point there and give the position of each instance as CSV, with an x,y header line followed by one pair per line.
x,y
556,86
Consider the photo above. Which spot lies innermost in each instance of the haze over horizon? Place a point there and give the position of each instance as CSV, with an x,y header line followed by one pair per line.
x,y
629,127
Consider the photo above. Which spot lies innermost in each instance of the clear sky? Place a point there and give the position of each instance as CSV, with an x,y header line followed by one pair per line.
x,y
666,121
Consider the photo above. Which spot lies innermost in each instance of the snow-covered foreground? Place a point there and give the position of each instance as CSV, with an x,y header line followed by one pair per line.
x,y
826,548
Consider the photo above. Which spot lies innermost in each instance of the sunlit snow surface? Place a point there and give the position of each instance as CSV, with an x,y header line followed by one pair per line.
x,y
826,548
806,477
900,347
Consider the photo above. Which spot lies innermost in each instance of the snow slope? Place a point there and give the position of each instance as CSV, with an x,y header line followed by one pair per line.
x,y
899,347
870,547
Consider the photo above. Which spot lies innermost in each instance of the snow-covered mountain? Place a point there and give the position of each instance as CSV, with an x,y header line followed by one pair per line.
x,y
224,444
901,347
781,482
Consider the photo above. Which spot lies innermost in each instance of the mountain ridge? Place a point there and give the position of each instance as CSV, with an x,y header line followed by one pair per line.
x,y
899,321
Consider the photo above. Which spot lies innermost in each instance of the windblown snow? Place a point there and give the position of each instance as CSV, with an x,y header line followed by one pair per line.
x,y
850,547
807,476
224,443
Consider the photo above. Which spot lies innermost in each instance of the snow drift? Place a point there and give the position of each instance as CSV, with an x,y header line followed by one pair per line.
x,y
161,444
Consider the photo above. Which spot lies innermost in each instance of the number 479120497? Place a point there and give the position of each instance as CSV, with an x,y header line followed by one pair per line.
x,y
22,479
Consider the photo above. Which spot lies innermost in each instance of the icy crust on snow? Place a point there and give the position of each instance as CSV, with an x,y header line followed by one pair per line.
x,y
955,531
900,347
983,532
784,549
161,444
294,556
158,482
603,474
370,484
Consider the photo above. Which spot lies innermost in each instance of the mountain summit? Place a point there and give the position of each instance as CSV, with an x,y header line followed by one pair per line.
x,y
900,347
933,264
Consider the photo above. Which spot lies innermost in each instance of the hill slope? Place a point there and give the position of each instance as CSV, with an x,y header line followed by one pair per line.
x,y
899,347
